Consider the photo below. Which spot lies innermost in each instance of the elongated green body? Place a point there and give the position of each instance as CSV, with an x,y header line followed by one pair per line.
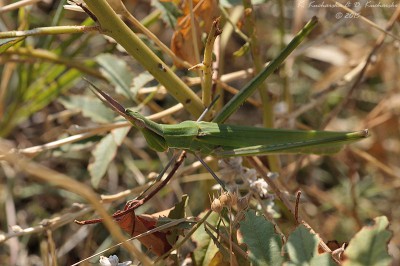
x,y
222,140
230,140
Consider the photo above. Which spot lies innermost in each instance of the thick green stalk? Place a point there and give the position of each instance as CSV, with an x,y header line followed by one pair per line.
x,y
207,63
248,90
56,30
114,27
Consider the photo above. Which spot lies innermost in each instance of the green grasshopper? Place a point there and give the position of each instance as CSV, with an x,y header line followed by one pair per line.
x,y
207,138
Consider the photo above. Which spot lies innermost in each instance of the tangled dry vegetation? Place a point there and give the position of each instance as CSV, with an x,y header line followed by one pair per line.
x,y
58,156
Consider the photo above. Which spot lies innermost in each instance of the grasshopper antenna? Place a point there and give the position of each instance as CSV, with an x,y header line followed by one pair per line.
x,y
113,104
106,99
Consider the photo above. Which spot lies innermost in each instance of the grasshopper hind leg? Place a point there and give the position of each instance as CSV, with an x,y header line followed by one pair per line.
x,y
219,181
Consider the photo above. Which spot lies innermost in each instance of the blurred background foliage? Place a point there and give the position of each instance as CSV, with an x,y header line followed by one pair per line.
x,y
44,99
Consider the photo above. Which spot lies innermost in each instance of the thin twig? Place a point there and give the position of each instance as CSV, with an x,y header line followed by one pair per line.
x,y
360,78
375,162
132,205
46,224
17,5
56,30
46,55
296,207
369,22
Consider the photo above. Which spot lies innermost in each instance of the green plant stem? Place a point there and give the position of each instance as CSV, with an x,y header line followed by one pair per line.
x,y
267,102
250,87
232,18
207,63
151,18
114,27
48,31
153,37
54,58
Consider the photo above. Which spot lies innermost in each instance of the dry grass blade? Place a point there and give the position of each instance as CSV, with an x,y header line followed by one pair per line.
x,y
44,174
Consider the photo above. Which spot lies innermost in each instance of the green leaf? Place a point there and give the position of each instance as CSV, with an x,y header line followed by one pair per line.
x,y
104,153
9,42
263,243
117,72
205,247
89,106
47,86
301,245
242,50
322,260
369,245
179,210
302,248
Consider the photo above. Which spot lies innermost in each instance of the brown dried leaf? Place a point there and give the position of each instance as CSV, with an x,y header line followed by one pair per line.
x,y
182,41
138,224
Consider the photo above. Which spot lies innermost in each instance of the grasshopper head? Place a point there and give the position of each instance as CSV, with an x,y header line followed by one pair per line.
x,y
136,118
149,129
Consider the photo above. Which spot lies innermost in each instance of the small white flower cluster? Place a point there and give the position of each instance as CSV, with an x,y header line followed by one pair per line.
x,y
260,186
113,260
232,173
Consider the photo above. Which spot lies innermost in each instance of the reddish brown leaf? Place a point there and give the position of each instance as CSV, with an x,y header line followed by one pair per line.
x,y
135,225
182,43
